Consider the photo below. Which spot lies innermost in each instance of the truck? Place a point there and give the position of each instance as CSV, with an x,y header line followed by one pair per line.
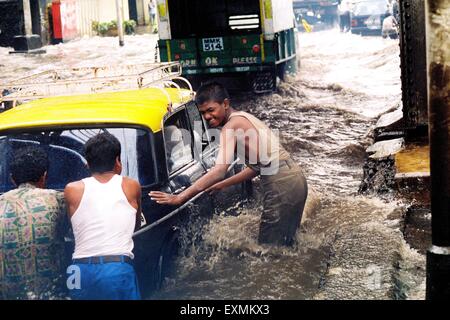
x,y
323,14
251,40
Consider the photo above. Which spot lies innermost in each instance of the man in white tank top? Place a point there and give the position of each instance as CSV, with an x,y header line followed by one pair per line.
x,y
104,211
284,185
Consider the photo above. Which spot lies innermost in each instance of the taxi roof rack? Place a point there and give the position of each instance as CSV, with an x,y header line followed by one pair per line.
x,y
85,80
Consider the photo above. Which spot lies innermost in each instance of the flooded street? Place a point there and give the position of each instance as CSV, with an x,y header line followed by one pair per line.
x,y
350,246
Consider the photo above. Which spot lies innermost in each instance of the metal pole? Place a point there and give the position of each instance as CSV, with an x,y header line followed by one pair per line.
x,y
120,21
438,67
27,17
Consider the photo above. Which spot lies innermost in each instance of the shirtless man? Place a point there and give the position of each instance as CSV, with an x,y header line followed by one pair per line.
x,y
284,186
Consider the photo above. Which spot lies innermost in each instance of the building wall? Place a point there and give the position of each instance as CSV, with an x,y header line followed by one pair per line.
x,y
107,10
76,16
87,11
69,19
142,10
143,13
97,10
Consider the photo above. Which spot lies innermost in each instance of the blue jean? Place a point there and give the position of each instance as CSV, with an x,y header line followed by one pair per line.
x,y
106,281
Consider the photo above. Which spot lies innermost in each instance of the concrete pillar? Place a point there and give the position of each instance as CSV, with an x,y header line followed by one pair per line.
x,y
120,21
438,69
29,42
27,18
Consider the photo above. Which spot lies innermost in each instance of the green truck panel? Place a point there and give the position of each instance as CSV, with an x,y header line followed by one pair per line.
x,y
238,52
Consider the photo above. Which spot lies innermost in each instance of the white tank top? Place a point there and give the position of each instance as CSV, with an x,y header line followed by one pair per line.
x,y
104,222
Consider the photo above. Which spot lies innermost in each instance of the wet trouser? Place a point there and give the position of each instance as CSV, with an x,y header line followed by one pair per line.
x,y
284,197
106,281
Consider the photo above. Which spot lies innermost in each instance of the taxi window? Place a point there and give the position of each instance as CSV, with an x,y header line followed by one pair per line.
x,y
66,155
201,135
178,141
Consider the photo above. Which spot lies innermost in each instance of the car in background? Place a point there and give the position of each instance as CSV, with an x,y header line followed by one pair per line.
x,y
319,15
367,17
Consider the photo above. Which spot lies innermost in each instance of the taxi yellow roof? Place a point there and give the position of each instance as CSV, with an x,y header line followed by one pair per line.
x,y
145,107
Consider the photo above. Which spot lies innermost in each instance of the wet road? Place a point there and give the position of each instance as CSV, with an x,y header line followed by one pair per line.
x,y
350,246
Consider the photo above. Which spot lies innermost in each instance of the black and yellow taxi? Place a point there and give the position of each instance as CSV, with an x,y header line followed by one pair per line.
x,y
165,149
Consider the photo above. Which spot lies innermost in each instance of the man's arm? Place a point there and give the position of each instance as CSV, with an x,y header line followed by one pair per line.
x,y
217,173
73,193
132,190
246,174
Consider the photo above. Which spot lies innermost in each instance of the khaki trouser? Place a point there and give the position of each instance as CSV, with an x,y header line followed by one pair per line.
x,y
284,197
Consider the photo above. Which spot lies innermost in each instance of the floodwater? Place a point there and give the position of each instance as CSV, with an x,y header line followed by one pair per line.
x,y
350,246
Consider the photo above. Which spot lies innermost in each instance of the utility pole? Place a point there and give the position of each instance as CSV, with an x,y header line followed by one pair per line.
x,y
120,21
438,67
27,17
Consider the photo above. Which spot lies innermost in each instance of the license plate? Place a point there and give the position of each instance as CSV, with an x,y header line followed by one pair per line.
x,y
212,44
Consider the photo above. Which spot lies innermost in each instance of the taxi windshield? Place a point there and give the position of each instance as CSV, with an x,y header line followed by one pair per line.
x,y
65,150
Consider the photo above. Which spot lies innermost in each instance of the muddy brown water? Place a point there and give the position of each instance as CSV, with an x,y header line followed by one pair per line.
x,y
348,246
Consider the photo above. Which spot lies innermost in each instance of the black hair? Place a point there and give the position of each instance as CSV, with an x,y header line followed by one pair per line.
x,y
28,164
101,152
211,91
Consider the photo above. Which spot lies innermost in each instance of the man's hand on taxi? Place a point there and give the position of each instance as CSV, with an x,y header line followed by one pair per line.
x,y
166,198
